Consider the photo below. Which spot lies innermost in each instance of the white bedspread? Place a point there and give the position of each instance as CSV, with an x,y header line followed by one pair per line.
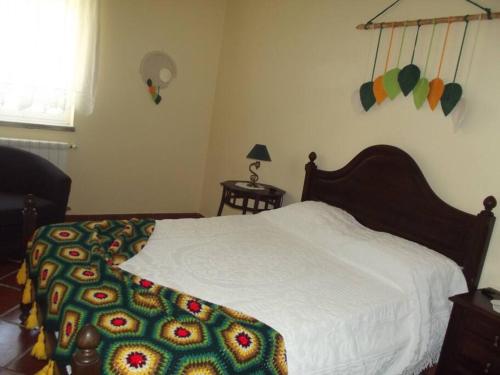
x,y
346,299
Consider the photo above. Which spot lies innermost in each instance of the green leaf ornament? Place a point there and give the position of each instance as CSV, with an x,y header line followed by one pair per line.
x,y
408,78
366,95
391,84
451,97
420,92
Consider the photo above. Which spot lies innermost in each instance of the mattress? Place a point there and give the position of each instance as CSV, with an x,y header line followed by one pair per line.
x,y
347,300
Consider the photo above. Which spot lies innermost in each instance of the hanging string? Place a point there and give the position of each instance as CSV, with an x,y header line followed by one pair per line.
x,y
402,44
415,44
389,50
430,47
461,47
380,13
469,65
376,52
444,48
487,10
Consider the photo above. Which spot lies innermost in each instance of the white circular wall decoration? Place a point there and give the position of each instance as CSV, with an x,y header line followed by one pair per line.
x,y
157,71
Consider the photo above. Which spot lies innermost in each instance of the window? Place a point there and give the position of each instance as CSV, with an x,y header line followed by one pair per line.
x,y
47,60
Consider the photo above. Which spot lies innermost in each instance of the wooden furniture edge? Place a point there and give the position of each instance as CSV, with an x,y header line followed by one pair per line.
x,y
470,309
156,216
270,195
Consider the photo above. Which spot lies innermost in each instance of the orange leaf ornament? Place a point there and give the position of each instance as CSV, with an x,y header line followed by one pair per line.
x,y
379,90
436,90
436,87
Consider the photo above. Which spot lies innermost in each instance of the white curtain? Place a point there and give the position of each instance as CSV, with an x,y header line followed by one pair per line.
x,y
48,53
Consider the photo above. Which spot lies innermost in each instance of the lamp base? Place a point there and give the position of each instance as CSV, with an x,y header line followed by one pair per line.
x,y
253,176
246,185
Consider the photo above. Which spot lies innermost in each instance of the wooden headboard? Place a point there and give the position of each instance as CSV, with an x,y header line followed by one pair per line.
x,y
385,190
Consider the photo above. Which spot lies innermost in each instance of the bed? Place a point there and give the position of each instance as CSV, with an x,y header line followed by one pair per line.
x,y
356,278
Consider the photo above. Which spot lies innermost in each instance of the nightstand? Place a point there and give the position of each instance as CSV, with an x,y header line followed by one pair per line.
x,y
472,342
233,191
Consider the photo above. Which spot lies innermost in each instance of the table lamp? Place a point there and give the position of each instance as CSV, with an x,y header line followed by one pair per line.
x,y
259,153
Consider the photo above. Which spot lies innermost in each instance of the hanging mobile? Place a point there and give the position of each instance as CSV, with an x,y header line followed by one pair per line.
x,y
157,71
436,87
366,90
410,74
378,84
391,84
453,91
421,89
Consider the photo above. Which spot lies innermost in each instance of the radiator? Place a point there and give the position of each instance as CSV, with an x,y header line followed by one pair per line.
x,y
55,152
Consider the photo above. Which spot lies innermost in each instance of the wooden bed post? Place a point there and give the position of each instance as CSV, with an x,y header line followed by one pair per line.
x,y
30,215
482,235
311,167
26,307
86,360
29,225
489,204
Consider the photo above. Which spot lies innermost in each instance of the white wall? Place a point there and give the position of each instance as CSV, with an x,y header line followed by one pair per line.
x,y
286,75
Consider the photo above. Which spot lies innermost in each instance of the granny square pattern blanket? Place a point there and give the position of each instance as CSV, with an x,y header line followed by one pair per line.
x,y
145,328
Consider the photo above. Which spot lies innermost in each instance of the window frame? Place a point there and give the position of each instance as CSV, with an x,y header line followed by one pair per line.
x,y
33,125
61,121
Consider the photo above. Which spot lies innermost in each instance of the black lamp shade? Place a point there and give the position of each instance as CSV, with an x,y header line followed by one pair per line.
x,y
259,152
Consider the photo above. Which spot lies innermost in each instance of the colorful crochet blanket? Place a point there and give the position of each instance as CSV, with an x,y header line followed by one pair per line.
x,y
145,328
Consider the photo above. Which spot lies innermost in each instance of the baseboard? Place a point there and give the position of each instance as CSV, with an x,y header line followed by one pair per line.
x,y
157,216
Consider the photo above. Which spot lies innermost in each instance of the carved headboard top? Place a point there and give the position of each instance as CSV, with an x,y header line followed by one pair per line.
x,y
385,190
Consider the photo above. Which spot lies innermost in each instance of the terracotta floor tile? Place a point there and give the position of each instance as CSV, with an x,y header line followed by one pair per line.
x,y
12,316
7,267
10,279
8,372
8,298
14,341
26,364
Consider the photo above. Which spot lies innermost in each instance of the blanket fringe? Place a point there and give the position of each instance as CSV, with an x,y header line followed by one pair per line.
x,y
48,369
32,320
27,292
429,360
39,350
22,274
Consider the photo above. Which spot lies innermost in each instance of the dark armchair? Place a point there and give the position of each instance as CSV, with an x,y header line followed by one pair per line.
x,y
23,173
